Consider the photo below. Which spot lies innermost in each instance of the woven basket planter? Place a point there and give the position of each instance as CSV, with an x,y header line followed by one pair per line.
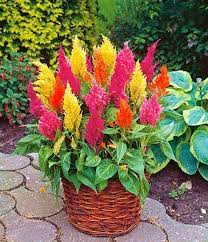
x,y
111,213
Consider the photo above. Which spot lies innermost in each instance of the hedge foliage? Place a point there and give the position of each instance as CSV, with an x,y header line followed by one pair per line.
x,y
181,26
39,26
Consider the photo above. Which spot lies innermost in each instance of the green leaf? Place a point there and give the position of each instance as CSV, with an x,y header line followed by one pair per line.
x,y
55,183
195,116
120,150
181,79
106,169
73,179
199,144
202,94
143,188
111,131
186,161
86,181
203,170
80,162
102,185
135,161
158,154
52,163
44,154
92,160
65,164
167,150
111,114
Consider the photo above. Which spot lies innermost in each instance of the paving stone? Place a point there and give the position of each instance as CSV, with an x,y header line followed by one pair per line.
x,y
13,162
69,233
10,180
33,180
20,229
35,162
36,205
205,225
7,203
2,234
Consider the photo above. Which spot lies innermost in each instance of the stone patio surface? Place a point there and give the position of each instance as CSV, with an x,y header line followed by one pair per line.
x,y
26,215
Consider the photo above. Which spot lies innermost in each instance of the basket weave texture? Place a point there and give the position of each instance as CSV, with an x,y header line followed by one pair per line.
x,y
111,213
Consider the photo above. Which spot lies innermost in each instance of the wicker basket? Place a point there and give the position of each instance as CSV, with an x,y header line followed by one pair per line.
x,y
111,213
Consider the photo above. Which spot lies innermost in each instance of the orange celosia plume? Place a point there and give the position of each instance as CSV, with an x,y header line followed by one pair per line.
x,y
56,99
100,68
161,82
124,115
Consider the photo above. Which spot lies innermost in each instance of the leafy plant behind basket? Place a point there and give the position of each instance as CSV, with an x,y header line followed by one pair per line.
x,y
99,124
186,122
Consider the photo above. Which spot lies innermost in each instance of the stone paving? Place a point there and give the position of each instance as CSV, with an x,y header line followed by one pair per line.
x,y
26,215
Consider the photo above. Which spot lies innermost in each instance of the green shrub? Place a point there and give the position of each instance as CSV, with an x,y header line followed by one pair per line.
x,y
38,27
15,72
181,26
186,122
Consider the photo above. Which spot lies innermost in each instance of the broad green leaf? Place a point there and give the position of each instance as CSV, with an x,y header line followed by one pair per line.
x,y
202,94
120,150
158,154
199,145
111,131
167,150
186,161
92,160
86,181
65,164
203,170
102,185
111,114
52,163
80,162
89,172
106,169
135,161
73,179
143,188
44,154
55,183
181,79
195,116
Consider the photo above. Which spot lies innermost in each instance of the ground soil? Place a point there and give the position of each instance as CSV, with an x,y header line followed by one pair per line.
x,y
186,209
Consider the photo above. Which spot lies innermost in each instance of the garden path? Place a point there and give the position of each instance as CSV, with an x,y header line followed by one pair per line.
x,y
30,213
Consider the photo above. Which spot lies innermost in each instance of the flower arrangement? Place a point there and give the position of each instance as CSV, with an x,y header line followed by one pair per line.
x,y
97,118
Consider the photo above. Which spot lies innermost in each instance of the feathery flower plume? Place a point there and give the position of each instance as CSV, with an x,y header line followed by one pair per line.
x,y
150,111
49,124
72,111
161,82
57,145
79,62
137,86
96,100
147,65
89,64
56,99
124,115
108,52
45,84
66,74
94,128
100,68
124,68
36,106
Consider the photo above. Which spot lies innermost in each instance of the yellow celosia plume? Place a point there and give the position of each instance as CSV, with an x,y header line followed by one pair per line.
x,y
57,145
108,53
72,111
78,60
138,86
45,84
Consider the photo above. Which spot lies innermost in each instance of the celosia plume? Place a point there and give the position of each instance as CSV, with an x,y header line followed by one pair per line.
x,y
72,111
124,68
96,100
49,124
100,68
89,64
65,72
45,84
147,65
124,115
57,145
108,53
56,99
78,62
150,111
94,131
138,86
161,82
36,106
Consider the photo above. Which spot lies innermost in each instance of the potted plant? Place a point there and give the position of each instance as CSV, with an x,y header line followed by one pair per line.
x,y
97,134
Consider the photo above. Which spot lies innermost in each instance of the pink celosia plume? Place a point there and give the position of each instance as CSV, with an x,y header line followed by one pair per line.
x,y
94,128
36,106
49,124
66,74
89,64
123,70
150,111
147,65
97,100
